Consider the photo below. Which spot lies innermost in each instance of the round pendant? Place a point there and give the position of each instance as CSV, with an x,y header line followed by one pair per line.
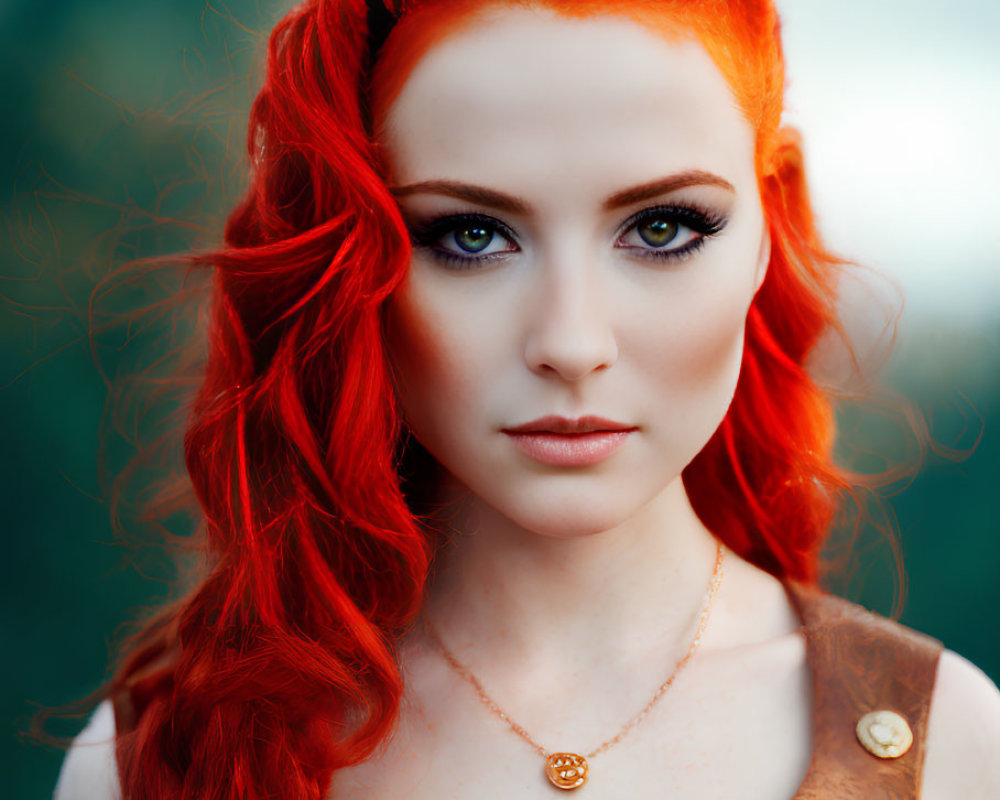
x,y
566,770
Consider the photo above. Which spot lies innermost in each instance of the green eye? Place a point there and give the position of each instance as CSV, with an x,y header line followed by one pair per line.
x,y
473,239
669,233
464,240
658,232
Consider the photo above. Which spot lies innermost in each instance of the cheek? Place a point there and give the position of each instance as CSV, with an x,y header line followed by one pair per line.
x,y
411,351
692,348
433,356
708,347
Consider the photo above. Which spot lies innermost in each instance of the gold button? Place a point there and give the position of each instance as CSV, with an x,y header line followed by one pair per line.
x,y
884,734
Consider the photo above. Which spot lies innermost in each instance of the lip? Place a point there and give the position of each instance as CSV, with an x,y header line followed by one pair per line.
x,y
556,424
563,442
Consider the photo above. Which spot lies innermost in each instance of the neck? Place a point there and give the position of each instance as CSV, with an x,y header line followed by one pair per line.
x,y
501,593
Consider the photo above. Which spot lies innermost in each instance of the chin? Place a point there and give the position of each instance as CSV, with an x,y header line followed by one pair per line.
x,y
572,526
584,511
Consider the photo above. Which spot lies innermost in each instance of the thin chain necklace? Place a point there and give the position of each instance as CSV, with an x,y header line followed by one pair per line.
x,y
570,770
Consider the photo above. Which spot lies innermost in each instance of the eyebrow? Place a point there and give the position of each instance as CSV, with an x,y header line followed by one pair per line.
x,y
515,205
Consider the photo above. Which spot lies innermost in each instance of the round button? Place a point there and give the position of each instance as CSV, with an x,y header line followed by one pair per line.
x,y
884,734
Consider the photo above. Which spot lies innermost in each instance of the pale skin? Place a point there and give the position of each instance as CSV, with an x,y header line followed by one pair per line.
x,y
571,592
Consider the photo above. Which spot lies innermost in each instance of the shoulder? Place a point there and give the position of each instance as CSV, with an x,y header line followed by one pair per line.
x,y
89,771
963,736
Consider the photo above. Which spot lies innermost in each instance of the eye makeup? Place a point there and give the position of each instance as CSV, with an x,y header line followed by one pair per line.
x,y
430,235
441,236
701,224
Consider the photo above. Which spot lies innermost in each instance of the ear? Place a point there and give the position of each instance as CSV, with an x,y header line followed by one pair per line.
x,y
763,258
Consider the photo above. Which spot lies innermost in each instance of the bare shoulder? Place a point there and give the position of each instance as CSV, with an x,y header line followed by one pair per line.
x,y
963,734
89,771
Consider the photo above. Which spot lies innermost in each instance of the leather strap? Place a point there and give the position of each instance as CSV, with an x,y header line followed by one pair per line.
x,y
862,662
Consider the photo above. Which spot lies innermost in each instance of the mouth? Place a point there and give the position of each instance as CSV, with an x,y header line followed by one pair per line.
x,y
562,442
565,425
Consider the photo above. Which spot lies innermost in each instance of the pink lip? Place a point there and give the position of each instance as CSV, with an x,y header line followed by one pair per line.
x,y
564,442
556,424
569,449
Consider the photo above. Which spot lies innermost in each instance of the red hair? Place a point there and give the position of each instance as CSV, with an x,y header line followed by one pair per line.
x,y
279,667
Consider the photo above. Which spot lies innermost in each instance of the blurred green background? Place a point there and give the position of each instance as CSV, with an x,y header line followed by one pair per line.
x,y
124,138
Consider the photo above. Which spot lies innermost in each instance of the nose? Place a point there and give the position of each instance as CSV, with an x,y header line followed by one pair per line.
x,y
570,329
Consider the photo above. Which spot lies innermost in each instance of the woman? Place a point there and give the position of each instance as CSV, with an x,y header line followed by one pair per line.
x,y
549,269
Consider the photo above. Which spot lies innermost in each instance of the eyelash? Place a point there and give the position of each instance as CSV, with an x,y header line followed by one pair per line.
x,y
700,220
427,235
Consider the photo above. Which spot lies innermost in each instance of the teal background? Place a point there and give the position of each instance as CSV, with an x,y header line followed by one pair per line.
x,y
118,110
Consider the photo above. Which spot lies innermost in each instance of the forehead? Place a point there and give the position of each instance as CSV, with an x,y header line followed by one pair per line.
x,y
530,96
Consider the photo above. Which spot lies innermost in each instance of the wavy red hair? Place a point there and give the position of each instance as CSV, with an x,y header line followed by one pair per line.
x,y
280,667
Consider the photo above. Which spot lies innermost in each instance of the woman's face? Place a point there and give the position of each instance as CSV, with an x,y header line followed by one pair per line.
x,y
588,239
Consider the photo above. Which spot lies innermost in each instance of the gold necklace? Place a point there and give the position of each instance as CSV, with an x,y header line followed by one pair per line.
x,y
570,770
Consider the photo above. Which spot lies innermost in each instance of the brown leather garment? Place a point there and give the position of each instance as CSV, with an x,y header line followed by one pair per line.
x,y
860,663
